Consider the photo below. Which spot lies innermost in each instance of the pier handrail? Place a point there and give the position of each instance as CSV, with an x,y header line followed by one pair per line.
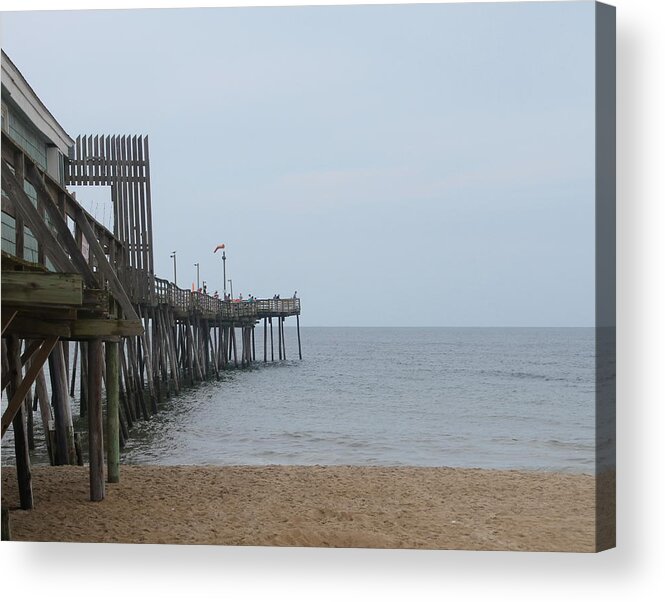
x,y
185,300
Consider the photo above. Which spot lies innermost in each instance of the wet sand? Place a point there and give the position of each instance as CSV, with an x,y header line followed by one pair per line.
x,y
325,506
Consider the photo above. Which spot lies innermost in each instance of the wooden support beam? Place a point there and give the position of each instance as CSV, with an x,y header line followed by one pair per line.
x,y
83,382
112,412
30,350
25,357
7,317
95,421
5,528
283,337
76,352
22,386
272,349
298,327
46,413
64,429
60,313
36,288
105,328
15,413
33,328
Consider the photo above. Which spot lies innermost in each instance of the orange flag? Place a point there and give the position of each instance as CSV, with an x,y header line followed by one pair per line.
x,y
218,247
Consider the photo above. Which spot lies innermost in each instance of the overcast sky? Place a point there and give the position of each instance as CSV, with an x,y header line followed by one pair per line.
x,y
423,165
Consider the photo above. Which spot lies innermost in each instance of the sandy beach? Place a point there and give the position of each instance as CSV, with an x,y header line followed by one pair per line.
x,y
327,506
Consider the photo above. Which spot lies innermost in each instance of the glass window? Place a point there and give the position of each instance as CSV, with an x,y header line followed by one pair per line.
x,y
8,234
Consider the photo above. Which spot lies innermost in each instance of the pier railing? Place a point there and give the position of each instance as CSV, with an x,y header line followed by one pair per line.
x,y
183,300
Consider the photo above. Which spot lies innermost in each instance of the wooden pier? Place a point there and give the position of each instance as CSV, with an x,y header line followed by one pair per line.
x,y
138,338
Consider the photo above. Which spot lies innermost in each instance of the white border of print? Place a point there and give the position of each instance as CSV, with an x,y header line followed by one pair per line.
x,y
632,571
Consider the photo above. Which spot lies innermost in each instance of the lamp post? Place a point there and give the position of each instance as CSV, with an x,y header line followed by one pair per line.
x,y
198,286
224,267
231,284
175,272
217,248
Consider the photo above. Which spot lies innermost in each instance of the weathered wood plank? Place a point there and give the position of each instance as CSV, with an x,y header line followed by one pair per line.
x,y
96,300
36,288
32,328
105,328
44,312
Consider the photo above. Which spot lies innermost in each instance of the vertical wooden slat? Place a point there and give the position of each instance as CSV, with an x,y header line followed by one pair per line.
x,y
141,260
138,162
84,157
96,163
114,188
120,199
148,200
129,191
91,161
77,162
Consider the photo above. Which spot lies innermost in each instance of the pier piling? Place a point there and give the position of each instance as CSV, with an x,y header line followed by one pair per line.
x,y
112,412
95,421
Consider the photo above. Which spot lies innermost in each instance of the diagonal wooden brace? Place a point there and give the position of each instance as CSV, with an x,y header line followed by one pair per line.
x,y
27,211
64,236
15,403
115,286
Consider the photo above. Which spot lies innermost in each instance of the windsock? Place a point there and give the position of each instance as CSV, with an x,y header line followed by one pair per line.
x,y
218,247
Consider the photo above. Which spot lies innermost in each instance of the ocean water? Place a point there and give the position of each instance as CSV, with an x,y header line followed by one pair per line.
x,y
509,398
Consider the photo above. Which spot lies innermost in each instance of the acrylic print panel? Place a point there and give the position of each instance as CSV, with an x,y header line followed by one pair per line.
x,y
348,281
